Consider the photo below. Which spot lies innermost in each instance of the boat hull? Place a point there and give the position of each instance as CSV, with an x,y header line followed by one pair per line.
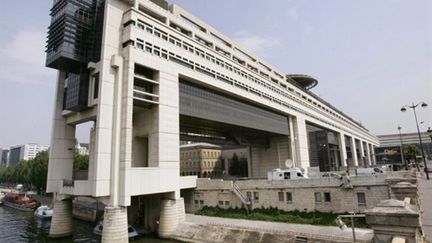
x,y
17,206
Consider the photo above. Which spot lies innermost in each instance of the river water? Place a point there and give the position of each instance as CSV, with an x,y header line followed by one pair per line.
x,y
17,227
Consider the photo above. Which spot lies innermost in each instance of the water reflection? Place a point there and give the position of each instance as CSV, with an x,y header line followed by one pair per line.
x,y
17,226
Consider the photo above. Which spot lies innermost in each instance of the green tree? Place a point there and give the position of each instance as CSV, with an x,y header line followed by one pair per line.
x,y
38,170
81,162
411,151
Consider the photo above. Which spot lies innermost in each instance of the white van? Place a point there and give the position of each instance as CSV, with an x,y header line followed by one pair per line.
x,y
285,174
368,171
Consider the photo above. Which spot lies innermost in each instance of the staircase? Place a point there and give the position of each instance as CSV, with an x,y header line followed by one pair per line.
x,y
239,194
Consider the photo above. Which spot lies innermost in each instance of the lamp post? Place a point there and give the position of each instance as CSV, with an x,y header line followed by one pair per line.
x,y
402,148
429,131
423,105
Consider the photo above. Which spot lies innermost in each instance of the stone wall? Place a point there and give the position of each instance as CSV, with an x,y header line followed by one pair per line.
x,y
303,192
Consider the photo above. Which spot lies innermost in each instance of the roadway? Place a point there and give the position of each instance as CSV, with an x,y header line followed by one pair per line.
x,y
425,190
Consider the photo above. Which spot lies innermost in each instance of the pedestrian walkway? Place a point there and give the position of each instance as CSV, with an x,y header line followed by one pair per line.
x,y
425,190
317,232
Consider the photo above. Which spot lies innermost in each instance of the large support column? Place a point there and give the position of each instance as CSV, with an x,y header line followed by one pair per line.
x,y
302,150
292,139
354,151
373,157
172,213
61,222
368,157
342,149
60,166
115,225
362,154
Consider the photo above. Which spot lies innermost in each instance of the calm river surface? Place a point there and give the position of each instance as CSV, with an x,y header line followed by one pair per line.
x,y
17,226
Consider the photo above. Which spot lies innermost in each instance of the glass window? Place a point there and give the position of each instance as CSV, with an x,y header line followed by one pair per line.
x,y
327,197
289,197
281,196
256,197
361,198
317,196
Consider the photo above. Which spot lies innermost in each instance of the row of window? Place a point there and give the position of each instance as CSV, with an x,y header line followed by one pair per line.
x,y
204,163
161,34
320,197
197,153
200,68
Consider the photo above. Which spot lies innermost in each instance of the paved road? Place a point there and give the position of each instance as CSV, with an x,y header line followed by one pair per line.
x,y
425,189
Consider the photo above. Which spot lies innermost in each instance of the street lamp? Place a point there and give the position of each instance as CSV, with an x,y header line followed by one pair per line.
x,y
402,148
423,105
343,226
429,131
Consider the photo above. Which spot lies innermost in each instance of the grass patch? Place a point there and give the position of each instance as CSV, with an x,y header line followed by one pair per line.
x,y
276,215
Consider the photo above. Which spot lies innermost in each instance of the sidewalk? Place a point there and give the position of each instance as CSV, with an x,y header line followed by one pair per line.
x,y
321,232
425,191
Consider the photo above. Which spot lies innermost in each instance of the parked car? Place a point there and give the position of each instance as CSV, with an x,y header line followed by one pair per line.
x,y
369,171
332,174
429,167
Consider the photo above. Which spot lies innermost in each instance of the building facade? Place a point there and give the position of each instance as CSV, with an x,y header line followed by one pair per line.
x,y
25,152
151,75
4,157
389,151
201,159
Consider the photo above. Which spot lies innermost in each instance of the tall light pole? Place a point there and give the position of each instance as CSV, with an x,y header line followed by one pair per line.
x,y
423,105
429,131
402,148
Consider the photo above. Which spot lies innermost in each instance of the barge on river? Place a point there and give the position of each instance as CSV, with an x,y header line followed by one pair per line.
x,y
20,201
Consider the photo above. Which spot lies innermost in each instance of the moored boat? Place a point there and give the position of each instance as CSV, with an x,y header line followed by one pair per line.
x,y
44,212
20,201
132,233
2,195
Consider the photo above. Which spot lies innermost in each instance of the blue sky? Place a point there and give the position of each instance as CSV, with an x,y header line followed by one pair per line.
x,y
370,57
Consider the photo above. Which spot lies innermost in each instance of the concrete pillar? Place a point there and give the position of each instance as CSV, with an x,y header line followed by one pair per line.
x,y
373,154
342,149
362,154
115,226
394,218
61,222
60,166
302,147
181,210
354,151
368,156
169,217
292,139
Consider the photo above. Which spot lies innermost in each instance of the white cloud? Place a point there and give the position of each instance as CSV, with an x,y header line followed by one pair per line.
x,y
23,58
260,45
292,14
307,28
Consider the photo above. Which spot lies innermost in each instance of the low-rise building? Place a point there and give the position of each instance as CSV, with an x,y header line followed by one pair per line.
x,y
389,151
201,159
324,194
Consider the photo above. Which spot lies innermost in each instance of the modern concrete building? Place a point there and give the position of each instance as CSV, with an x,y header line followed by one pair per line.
x,y
151,75
201,159
25,152
4,157
389,150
